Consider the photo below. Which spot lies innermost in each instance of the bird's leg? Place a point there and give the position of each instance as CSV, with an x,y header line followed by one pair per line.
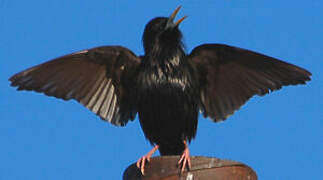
x,y
141,162
185,158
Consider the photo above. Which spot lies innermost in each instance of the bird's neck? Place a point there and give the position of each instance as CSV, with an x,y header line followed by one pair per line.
x,y
164,55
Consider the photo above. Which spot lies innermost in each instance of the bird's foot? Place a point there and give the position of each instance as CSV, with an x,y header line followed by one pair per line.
x,y
141,162
185,159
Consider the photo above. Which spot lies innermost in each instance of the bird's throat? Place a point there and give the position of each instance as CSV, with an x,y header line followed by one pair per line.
x,y
166,55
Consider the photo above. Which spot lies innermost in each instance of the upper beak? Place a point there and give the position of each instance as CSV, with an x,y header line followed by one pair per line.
x,y
170,22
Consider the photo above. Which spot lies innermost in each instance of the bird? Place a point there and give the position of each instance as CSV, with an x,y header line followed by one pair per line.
x,y
166,86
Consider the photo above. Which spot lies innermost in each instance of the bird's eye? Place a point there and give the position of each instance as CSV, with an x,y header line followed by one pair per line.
x,y
161,28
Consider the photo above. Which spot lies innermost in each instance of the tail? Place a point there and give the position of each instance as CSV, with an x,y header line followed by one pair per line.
x,y
177,149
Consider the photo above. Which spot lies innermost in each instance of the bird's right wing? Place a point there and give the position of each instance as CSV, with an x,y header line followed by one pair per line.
x,y
229,76
100,78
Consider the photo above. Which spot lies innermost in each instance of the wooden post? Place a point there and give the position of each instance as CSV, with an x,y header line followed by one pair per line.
x,y
203,168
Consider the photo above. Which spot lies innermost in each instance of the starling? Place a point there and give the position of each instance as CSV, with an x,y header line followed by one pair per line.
x,y
166,86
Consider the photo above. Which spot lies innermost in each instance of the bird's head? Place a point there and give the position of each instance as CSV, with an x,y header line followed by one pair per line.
x,y
162,32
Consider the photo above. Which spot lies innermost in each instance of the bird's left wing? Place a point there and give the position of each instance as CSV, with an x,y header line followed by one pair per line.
x,y
229,76
100,78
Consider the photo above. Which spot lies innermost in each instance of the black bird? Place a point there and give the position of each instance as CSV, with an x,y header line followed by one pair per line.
x,y
166,87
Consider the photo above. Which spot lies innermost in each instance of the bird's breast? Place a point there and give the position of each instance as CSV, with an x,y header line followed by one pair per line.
x,y
159,80
170,74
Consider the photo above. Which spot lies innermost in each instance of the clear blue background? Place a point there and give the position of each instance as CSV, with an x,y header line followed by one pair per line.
x,y
279,135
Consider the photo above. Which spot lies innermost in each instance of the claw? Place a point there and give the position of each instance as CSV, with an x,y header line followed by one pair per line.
x,y
185,159
142,161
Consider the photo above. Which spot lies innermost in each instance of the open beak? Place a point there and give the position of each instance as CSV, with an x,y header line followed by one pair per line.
x,y
170,22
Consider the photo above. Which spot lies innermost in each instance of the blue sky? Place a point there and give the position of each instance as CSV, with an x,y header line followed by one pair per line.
x,y
279,135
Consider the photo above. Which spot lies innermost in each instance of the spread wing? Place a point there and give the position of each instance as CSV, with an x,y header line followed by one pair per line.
x,y
229,76
99,78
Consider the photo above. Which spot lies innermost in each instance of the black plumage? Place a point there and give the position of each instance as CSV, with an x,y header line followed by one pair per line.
x,y
165,86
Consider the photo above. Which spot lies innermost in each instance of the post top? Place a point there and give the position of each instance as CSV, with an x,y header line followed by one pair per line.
x,y
203,168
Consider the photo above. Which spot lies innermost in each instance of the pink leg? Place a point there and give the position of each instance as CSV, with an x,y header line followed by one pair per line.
x,y
185,158
141,162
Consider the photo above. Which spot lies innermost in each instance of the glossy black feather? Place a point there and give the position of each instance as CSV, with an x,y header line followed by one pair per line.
x,y
166,87
168,90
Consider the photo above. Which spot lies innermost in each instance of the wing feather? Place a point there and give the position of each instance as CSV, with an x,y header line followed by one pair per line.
x,y
230,76
85,100
93,77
